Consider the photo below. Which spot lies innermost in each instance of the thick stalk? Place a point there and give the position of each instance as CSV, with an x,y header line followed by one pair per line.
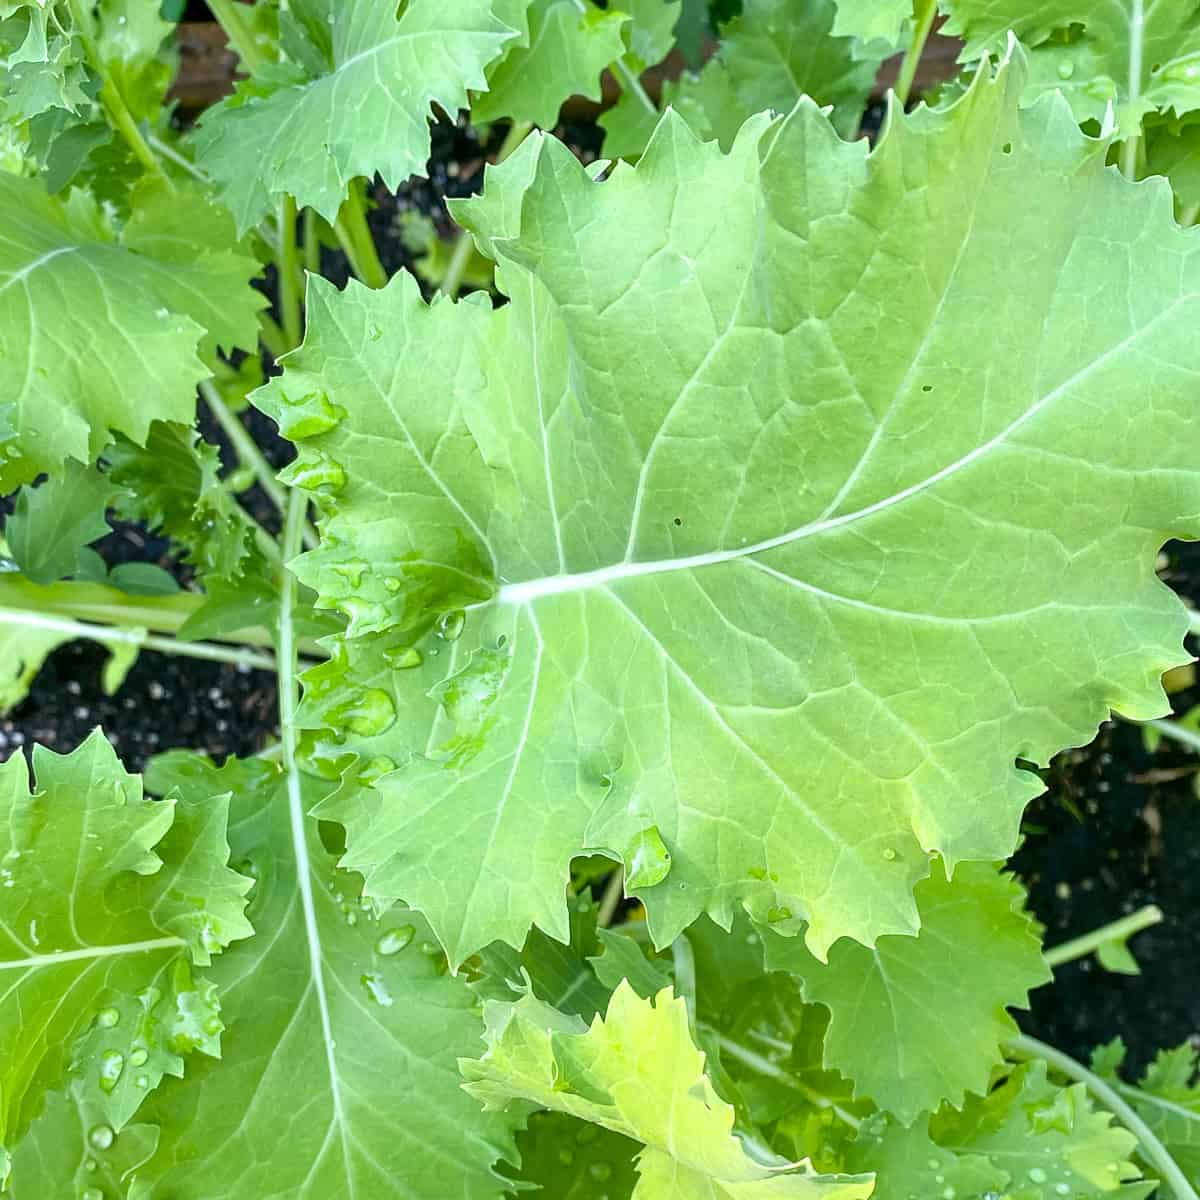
x,y
110,636
119,116
240,38
1114,931
613,891
926,12
685,974
1175,731
287,270
1187,216
764,1066
312,247
272,336
518,131
354,237
249,454
1023,1047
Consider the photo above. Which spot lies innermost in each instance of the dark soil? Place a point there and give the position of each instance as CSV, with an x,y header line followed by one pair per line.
x,y
1118,828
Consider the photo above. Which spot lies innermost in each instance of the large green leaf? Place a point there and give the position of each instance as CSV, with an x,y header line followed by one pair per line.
x,y
778,549
916,1021
41,62
338,1076
101,333
1138,56
355,100
104,898
636,1072
569,44
872,20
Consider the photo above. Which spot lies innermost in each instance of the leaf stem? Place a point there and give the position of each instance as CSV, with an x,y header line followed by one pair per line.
x,y
271,336
312,247
240,38
119,116
685,974
109,635
764,1066
1187,217
613,891
288,273
926,12
249,454
169,152
1024,1047
629,81
1177,732
354,237
1114,931
1194,617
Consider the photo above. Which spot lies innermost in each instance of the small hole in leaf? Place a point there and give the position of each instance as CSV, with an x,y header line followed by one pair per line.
x,y
678,520
927,387
502,641
1007,147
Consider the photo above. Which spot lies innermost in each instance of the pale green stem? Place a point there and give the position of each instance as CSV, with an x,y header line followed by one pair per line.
x,y
1024,1047
1175,731
685,974
288,272
98,603
240,38
354,237
114,104
169,152
1188,213
613,892
926,12
764,1066
518,131
249,455
633,85
110,636
312,246
1129,157
1194,617
1114,931
271,336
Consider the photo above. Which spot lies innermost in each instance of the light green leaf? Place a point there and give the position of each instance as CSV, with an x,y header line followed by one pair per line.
x,y
41,61
140,306
1173,149
52,523
769,57
173,484
736,569
328,1011
651,30
921,1020
873,20
624,959
1140,57
638,1073
57,1157
363,77
1044,1137
102,894
627,126
569,45
907,1162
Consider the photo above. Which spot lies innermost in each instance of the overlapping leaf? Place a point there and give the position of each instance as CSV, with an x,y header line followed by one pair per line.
x,y
103,895
917,1021
329,1014
1139,57
567,45
355,99
776,546
636,1072
100,332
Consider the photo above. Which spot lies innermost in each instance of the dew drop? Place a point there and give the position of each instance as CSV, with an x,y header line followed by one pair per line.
x,y
890,854
108,1018
450,625
142,1081
394,940
948,1193
91,1194
783,913
352,918
213,1026
566,1156
377,990
376,768
1063,1189
647,859
316,473
374,333
101,1137
1066,70
139,1056
1037,1174
391,584
933,1164
313,415
402,658
600,1171
112,1063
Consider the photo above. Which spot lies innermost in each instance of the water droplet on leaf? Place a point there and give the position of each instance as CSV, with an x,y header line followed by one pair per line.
x,y
394,940
1037,1175
139,1056
890,854
112,1063
783,913
368,714
1066,70
375,769
600,1171
101,1137
647,859
450,625
377,990
402,658
108,1018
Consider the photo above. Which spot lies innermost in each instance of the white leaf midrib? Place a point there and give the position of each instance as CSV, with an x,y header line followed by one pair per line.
x,y
527,591
37,961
